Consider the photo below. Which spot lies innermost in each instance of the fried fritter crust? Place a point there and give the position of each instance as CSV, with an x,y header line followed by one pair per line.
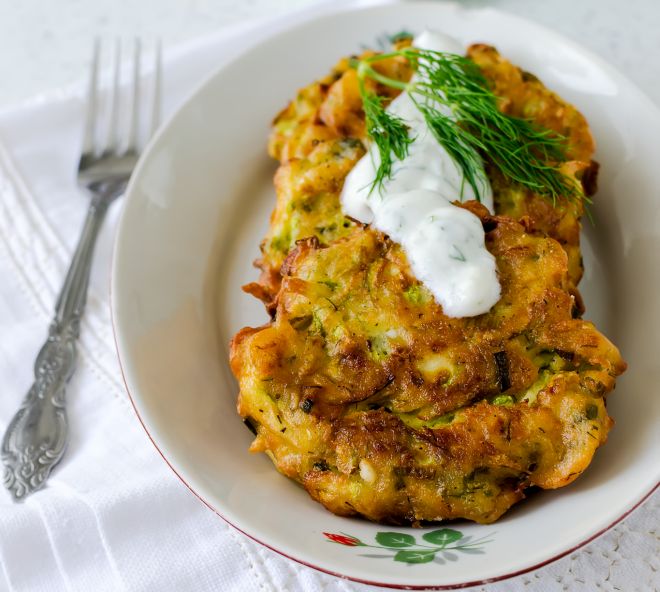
x,y
361,389
379,405
310,136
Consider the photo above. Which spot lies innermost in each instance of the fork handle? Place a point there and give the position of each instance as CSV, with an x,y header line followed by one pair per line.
x,y
37,434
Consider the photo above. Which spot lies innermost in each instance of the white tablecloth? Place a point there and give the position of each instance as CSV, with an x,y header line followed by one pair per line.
x,y
113,516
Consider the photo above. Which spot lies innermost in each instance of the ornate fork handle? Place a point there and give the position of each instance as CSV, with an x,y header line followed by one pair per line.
x,y
36,436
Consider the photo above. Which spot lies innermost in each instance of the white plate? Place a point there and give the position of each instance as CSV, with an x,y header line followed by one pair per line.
x,y
196,209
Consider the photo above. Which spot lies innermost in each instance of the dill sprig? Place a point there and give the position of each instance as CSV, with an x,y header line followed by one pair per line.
x,y
389,133
461,111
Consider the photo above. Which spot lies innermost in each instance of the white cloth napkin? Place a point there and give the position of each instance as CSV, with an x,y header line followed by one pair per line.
x,y
113,516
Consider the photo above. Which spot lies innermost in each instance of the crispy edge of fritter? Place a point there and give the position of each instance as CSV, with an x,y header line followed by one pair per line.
x,y
334,453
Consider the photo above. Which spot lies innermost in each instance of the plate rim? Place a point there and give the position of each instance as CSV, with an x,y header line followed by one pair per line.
x,y
267,31
456,586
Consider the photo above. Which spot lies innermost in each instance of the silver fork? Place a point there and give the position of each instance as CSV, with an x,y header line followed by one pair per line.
x,y
37,434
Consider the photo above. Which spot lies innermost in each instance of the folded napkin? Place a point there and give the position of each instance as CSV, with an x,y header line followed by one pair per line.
x,y
113,515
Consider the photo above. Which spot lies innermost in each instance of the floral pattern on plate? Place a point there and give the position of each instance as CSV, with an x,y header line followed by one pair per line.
x,y
404,547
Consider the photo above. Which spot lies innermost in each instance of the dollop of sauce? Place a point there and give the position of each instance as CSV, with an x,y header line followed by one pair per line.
x,y
445,244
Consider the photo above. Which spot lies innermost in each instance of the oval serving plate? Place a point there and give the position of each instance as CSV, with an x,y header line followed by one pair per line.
x,y
196,209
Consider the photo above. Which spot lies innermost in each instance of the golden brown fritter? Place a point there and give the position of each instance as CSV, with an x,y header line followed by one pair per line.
x,y
364,392
310,138
307,205
362,389
523,95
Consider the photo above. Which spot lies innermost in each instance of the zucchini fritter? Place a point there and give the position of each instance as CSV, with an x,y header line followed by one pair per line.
x,y
312,140
362,389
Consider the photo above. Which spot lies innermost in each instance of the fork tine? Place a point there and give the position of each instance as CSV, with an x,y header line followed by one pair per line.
x,y
156,107
135,106
90,116
113,127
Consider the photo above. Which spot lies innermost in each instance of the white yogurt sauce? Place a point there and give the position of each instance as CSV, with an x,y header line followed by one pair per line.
x,y
444,244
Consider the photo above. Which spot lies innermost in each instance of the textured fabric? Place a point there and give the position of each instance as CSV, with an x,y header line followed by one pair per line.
x,y
113,516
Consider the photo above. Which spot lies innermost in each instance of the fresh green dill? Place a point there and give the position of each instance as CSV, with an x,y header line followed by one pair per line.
x,y
461,111
389,133
457,254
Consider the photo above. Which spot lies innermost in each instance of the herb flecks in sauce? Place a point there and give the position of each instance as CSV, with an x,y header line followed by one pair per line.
x,y
417,180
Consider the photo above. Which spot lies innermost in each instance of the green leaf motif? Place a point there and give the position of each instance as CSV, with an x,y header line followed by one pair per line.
x,y
414,556
395,539
448,545
442,537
